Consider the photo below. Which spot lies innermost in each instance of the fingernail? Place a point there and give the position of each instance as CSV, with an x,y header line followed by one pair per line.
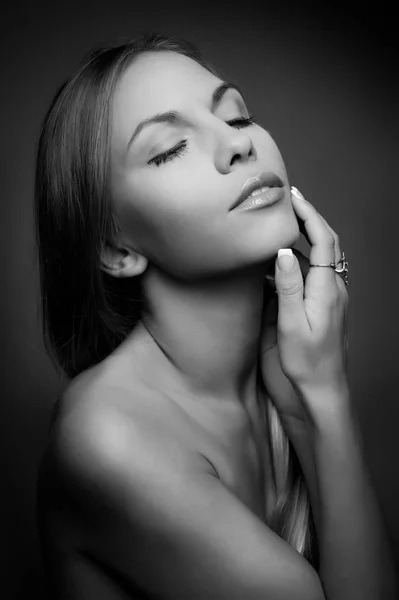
x,y
297,193
285,259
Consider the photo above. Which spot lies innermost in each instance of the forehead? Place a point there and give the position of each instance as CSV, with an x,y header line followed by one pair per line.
x,y
155,82
162,76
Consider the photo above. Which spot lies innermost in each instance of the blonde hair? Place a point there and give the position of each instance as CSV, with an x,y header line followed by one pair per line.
x,y
292,518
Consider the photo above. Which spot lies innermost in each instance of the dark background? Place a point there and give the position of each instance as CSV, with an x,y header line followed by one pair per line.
x,y
324,81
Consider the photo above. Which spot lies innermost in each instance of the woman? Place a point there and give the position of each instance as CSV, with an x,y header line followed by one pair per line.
x,y
198,450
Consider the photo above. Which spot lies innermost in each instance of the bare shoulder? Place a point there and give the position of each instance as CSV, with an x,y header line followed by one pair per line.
x,y
154,512
113,414
101,425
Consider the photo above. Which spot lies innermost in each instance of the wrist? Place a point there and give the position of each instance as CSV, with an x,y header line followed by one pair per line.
x,y
327,405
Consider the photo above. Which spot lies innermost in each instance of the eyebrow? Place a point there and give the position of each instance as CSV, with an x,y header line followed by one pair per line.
x,y
173,116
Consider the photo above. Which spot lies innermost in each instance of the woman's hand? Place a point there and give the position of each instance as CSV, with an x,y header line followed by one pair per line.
x,y
303,352
278,386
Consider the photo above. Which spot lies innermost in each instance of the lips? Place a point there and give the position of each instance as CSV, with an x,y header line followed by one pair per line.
x,y
265,179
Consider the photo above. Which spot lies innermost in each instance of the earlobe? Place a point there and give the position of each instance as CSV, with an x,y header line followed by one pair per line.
x,y
118,265
137,265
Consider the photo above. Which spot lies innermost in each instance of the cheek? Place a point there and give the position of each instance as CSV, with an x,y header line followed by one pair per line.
x,y
167,228
272,151
191,208
268,152
184,240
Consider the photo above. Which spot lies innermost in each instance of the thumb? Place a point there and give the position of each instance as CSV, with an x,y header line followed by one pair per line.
x,y
289,287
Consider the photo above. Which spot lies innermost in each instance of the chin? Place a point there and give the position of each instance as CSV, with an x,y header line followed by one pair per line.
x,y
297,234
290,233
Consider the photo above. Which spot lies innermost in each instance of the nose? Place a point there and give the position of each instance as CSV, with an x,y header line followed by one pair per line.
x,y
235,147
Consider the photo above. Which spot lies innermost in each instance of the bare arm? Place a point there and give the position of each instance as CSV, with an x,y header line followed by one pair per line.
x,y
154,512
356,558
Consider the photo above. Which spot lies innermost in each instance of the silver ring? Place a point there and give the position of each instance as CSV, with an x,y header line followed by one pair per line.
x,y
343,272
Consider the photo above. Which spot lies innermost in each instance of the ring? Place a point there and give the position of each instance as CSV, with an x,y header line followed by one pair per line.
x,y
343,272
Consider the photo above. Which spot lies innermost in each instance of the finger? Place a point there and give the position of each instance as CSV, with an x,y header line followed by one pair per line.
x,y
338,255
303,262
321,282
289,287
337,247
302,229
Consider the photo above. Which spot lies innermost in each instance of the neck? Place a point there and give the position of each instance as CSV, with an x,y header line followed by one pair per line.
x,y
209,331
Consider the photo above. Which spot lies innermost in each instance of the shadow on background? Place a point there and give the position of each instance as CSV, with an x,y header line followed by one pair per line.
x,y
33,585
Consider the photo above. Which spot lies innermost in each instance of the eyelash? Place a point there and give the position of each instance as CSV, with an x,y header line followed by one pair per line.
x,y
181,147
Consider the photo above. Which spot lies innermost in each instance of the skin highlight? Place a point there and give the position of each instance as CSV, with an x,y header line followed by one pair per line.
x,y
203,266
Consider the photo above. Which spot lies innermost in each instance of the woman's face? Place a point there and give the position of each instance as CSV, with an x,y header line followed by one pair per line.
x,y
178,213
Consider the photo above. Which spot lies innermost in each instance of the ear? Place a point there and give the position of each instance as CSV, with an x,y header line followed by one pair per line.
x,y
122,262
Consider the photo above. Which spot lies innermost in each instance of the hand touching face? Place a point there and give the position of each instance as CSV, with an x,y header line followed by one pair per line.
x,y
173,186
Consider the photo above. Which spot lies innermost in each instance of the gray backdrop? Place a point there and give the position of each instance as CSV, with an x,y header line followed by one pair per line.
x,y
325,84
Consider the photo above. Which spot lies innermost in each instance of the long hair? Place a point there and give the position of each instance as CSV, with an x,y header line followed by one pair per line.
x,y
85,312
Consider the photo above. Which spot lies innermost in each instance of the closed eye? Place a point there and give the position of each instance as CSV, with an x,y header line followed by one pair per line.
x,y
181,147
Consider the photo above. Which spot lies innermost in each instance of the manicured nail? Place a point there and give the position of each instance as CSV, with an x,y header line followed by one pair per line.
x,y
297,193
285,259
